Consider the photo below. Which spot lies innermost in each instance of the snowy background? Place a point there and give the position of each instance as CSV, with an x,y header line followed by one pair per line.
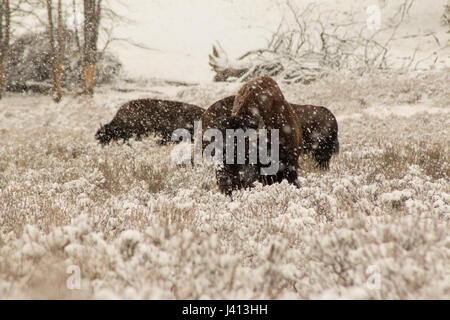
x,y
182,32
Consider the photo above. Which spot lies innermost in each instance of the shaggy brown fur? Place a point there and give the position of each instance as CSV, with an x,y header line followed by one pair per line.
x,y
236,176
219,109
260,104
319,127
144,116
320,132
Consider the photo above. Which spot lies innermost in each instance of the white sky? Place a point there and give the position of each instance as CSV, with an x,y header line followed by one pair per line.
x,y
183,32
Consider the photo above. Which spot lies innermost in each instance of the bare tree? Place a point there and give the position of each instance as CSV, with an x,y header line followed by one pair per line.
x,y
100,20
56,48
92,15
61,49
5,18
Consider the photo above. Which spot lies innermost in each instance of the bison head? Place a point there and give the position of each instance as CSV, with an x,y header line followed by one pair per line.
x,y
104,134
233,176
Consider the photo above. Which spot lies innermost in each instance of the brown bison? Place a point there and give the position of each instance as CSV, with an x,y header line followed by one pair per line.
x,y
320,132
260,104
219,109
319,127
143,116
237,175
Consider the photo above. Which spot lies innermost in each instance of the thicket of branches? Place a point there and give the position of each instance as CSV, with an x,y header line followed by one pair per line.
x,y
446,16
28,64
66,46
312,44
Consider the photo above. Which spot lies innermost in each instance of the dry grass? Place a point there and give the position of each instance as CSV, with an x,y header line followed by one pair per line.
x,y
138,226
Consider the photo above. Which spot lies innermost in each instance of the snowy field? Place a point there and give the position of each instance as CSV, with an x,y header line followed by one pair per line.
x,y
125,222
129,223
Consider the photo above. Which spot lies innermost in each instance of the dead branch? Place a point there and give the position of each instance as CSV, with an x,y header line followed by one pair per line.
x,y
313,46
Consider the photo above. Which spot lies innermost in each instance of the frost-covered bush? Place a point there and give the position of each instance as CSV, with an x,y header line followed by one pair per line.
x,y
28,64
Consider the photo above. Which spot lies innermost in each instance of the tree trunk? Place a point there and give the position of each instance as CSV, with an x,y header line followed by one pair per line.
x,y
1,78
51,35
60,68
88,79
1,47
5,16
92,10
56,53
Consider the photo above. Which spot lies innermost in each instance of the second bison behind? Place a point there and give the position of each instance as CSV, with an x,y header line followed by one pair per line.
x,y
143,116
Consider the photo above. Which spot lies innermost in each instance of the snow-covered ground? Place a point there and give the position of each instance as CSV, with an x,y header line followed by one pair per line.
x,y
129,223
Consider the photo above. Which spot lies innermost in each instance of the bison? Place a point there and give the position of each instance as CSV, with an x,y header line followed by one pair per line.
x,y
260,104
319,127
320,132
234,176
219,109
143,116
